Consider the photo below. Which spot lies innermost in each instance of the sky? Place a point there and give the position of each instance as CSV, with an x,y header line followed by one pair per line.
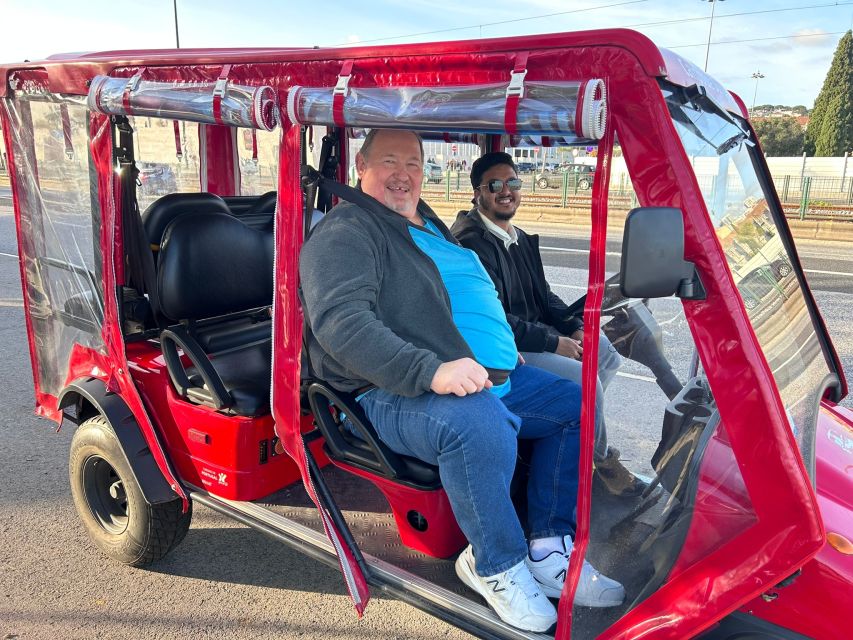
x,y
789,42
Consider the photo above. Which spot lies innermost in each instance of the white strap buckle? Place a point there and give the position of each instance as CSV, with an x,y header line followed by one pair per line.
x,y
220,87
342,86
516,84
133,83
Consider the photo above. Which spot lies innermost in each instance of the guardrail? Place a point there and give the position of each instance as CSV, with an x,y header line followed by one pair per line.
x,y
621,199
806,198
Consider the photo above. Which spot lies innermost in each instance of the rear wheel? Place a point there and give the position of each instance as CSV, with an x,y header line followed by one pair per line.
x,y
542,183
111,505
584,184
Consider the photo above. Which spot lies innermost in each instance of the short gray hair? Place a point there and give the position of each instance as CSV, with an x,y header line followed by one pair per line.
x,y
371,136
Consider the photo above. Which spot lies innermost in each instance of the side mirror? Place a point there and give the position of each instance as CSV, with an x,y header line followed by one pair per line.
x,y
653,264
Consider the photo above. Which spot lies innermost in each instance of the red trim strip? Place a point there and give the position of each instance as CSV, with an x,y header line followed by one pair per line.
x,y
591,319
219,92
125,97
511,109
178,149
339,96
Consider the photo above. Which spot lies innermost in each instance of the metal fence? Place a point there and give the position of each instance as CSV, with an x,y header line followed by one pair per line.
x,y
803,197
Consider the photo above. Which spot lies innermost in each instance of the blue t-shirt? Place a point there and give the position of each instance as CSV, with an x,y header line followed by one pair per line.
x,y
474,302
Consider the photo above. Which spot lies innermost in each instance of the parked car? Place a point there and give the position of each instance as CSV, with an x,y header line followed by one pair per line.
x,y
580,175
156,178
432,172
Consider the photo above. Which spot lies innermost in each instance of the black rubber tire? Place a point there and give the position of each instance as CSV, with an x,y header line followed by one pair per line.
x,y
111,505
542,183
584,184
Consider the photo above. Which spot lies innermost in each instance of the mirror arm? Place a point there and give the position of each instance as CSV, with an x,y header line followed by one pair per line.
x,y
690,287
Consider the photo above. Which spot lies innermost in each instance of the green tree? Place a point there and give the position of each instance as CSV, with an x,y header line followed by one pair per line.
x,y
830,131
780,136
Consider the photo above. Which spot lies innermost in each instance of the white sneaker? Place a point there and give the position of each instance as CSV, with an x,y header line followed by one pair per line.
x,y
594,589
513,594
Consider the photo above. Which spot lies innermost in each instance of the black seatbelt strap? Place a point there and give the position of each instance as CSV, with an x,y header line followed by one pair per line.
x,y
138,255
328,169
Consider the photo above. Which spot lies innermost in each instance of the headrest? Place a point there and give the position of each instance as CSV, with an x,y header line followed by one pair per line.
x,y
162,211
212,264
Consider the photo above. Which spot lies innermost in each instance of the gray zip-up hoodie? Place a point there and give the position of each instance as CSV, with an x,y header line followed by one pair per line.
x,y
376,304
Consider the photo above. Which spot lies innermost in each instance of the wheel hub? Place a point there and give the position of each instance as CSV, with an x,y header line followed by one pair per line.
x,y
105,494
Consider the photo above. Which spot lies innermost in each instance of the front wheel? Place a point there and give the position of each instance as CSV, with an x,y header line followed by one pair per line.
x,y
111,505
584,184
542,183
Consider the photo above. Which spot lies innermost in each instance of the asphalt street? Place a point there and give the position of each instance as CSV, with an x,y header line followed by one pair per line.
x,y
227,581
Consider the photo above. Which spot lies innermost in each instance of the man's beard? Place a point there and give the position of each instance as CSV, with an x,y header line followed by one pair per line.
x,y
504,216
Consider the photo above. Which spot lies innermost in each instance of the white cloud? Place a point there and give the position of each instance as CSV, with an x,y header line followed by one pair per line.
x,y
813,38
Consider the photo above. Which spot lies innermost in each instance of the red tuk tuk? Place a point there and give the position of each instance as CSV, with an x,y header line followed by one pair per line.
x,y
165,321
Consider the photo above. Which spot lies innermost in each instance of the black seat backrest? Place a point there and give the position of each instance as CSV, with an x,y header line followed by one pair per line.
x,y
211,264
162,211
257,212
214,269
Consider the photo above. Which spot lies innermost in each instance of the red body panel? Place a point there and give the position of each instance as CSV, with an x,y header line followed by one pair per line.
x,y
442,537
817,602
219,453
722,507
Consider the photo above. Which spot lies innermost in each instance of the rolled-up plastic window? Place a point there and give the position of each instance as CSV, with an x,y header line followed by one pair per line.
x,y
207,102
572,110
543,141
432,136
473,138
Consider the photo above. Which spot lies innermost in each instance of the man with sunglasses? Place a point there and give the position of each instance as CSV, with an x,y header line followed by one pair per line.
x,y
546,333
410,322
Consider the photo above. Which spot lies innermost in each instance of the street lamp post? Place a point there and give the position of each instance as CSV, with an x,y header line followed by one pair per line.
x,y
177,37
710,29
756,76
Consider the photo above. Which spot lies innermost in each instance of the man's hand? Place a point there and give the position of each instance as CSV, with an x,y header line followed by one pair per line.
x,y
460,377
578,335
569,348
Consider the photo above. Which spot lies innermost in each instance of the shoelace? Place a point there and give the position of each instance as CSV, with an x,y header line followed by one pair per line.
x,y
528,585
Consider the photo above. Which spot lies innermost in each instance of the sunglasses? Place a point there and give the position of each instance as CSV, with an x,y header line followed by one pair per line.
x,y
496,186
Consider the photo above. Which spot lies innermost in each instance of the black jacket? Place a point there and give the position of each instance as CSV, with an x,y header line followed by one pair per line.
x,y
538,318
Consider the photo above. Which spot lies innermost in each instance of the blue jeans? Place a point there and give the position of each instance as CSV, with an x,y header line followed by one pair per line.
x,y
473,441
609,362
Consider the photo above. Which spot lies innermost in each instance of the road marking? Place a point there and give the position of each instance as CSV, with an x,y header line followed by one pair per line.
x,y
574,286
567,250
11,303
635,376
617,253
830,273
9,255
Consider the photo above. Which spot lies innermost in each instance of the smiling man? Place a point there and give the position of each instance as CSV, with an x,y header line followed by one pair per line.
x,y
546,333
410,322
